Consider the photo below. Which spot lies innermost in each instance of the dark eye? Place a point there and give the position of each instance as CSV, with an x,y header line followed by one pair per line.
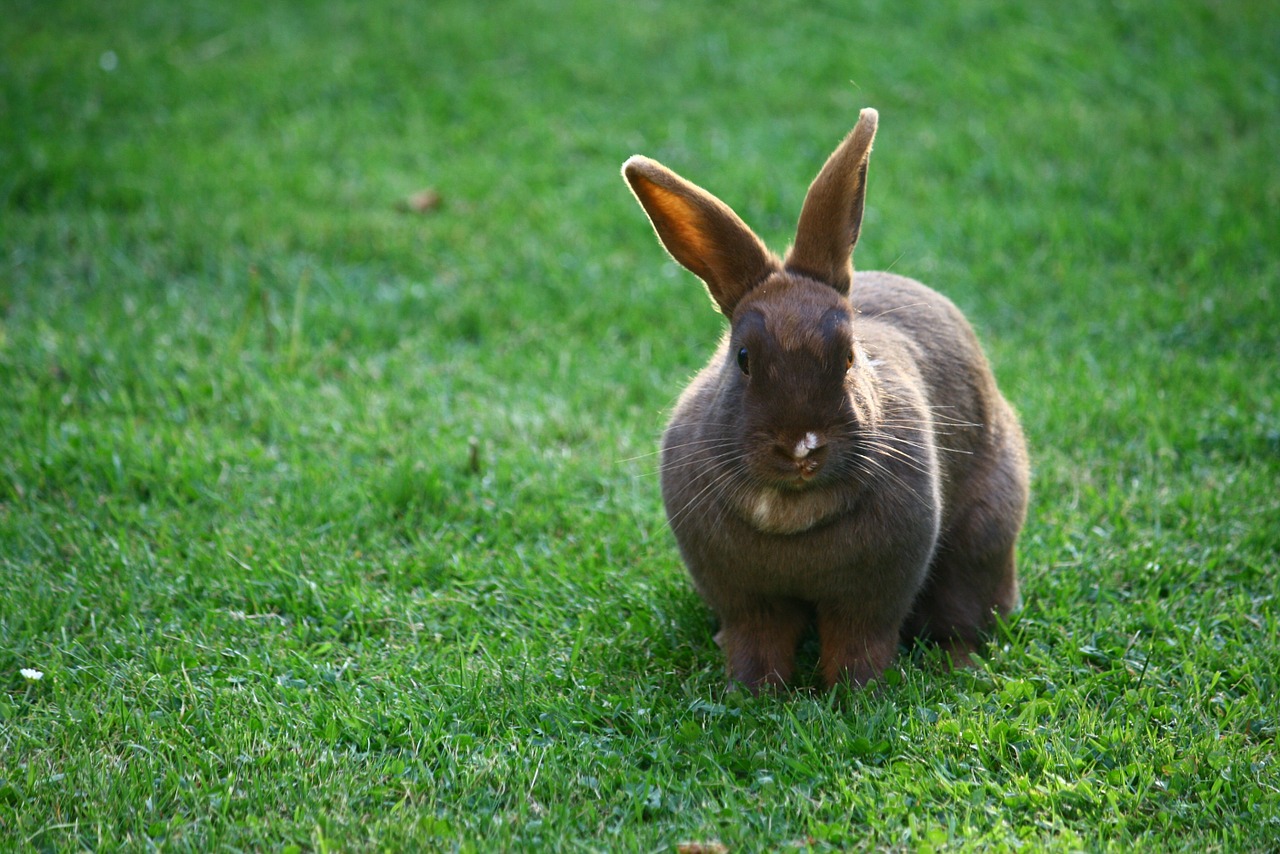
x,y
744,361
848,360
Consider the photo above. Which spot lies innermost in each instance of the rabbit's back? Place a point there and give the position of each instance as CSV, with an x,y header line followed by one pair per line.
x,y
984,472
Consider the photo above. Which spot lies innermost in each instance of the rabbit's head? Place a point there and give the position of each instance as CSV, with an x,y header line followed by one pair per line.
x,y
792,374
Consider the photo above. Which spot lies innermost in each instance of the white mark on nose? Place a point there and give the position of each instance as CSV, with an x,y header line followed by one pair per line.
x,y
805,445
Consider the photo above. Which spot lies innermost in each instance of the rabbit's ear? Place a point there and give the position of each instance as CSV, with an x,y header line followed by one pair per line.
x,y
701,232
832,214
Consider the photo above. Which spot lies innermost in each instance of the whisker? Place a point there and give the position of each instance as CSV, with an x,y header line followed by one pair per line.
x,y
889,475
711,487
712,461
902,456
892,310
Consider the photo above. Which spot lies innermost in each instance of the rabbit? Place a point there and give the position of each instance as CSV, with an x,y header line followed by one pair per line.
x,y
845,459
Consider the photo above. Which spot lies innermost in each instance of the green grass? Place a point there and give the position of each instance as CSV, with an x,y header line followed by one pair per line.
x,y
332,526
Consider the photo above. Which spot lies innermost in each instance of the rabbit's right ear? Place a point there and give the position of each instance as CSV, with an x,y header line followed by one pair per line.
x,y
701,232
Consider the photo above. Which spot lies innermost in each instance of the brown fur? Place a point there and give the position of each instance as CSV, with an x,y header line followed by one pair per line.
x,y
863,473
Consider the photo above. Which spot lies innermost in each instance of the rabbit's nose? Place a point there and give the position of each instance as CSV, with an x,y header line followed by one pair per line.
x,y
807,453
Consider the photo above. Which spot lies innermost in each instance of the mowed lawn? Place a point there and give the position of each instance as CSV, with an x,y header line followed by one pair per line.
x,y
334,354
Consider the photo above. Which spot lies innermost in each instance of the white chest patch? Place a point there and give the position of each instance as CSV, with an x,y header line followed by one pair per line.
x,y
762,512
775,512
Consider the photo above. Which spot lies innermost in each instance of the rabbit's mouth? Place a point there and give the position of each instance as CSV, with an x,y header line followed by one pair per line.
x,y
793,481
800,480
795,465
808,469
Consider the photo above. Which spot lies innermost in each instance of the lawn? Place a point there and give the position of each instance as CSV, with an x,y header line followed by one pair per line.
x,y
330,520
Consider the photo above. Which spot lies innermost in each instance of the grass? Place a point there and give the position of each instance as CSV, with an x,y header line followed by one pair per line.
x,y
334,526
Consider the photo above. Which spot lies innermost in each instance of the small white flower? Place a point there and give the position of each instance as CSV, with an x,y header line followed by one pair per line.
x,y
31,674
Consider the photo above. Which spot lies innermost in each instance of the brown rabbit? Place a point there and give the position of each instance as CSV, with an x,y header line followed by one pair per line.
x,y
846,457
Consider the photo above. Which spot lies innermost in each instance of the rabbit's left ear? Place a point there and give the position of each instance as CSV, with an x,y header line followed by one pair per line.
x,y
832,214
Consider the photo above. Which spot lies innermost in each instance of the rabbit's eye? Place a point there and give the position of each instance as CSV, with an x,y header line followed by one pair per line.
x,y
744,361
848,361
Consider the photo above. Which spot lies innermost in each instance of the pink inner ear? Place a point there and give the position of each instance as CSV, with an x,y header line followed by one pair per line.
x,y
678,224
701,232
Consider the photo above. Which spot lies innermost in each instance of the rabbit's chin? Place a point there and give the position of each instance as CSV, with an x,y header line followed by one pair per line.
x,y
791,509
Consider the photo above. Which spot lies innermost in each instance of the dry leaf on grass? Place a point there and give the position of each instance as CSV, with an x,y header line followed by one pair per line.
x,y
713,847
423,201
